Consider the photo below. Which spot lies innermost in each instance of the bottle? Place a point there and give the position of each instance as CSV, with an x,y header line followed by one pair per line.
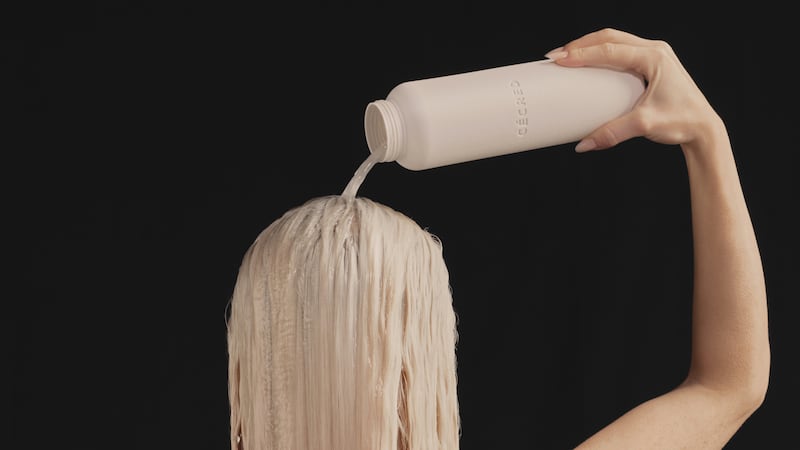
x,y
451,119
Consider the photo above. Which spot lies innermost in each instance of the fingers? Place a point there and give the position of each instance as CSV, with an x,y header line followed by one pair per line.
x,y
623,51
628,57
609,48
612,133
605,35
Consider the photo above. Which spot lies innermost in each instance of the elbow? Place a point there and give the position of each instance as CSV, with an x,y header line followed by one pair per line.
x,y
743,389
752,391
752,398
755,392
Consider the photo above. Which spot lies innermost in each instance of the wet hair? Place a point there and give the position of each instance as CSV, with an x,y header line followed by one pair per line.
x,y
342,334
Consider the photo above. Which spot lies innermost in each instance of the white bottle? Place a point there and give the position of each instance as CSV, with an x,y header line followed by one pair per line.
x,y
468,116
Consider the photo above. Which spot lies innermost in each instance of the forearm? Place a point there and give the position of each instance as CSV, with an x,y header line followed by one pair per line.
x,y
729,371
730,345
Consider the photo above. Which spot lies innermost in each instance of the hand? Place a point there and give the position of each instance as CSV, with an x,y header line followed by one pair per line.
x,y
672,109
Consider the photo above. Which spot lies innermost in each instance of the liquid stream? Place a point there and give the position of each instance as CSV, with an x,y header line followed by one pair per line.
x,y
358,178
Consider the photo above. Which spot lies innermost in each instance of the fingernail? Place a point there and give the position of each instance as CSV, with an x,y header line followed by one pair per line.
x,y
585,145
556,55
559,49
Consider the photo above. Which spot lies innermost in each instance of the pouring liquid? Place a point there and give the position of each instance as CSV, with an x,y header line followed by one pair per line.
x,y
358,178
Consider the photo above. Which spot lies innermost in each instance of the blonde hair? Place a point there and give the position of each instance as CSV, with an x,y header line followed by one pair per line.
x,y
342,334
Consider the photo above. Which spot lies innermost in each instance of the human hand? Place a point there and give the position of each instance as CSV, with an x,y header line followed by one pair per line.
x,y
672,109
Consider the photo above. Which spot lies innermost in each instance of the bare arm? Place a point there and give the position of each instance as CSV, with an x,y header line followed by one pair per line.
x,y
729,370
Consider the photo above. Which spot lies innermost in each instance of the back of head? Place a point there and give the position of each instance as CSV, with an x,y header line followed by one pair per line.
x,y
342,334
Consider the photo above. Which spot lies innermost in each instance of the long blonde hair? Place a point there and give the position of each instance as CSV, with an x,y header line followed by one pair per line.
x,y
342,334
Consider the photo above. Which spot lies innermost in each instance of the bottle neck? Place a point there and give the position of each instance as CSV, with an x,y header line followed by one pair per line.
x,y
383,127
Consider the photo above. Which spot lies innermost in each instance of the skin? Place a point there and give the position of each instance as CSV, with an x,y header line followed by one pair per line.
x,y
730,364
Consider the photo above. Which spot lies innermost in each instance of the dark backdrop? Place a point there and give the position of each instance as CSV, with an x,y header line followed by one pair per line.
x,y
159,138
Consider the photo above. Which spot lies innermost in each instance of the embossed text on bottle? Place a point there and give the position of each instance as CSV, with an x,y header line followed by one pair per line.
x,y
520,105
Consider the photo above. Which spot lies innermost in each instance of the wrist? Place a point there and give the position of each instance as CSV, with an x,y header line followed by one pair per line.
x,y
709,155
710,139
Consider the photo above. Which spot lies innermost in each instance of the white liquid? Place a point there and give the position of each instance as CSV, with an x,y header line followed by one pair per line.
x,y
355,182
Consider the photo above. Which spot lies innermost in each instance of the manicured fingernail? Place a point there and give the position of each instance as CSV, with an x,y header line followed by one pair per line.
x,y
547,55
556,55
585,145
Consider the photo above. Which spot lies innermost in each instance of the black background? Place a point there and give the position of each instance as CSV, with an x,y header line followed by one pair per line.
x,y
148,143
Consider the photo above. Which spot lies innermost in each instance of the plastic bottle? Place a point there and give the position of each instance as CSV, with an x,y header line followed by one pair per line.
x,y
468,116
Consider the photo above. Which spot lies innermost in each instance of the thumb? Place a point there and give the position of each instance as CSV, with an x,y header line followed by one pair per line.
x,y
612,133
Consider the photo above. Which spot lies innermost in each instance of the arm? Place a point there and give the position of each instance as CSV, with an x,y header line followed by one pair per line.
x,y
729,370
